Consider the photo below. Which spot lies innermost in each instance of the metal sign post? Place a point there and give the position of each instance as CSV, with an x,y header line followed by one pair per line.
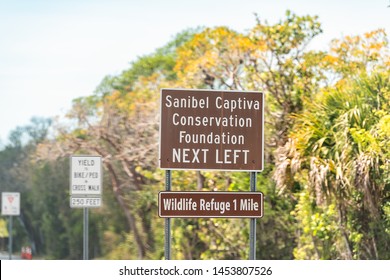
x,y
10,238
167,252
252,229
85,229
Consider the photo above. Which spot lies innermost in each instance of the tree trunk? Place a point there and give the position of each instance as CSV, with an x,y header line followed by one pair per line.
x,y
129,216
342,222
200,180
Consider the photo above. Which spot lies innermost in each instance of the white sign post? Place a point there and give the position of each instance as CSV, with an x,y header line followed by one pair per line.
x,y
10,206
85,188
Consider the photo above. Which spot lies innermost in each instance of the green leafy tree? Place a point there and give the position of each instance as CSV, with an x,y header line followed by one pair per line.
x,y
335,144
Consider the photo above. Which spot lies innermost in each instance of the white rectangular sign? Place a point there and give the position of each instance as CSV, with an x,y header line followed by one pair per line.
x,y
85,202
85,175
10,205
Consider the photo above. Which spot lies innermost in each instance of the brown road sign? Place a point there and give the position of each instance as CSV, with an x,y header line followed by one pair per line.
x,y
218,130
210,204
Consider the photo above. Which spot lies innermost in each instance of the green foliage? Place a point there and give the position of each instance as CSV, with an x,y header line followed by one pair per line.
x,y
338,141
317,228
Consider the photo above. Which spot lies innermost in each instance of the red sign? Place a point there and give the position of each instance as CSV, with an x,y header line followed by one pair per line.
x,y
210,204
218,130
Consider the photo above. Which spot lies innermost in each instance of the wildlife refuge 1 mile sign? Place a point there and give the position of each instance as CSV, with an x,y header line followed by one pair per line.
x,y
208,129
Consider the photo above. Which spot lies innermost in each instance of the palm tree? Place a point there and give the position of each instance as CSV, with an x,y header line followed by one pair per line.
x,y
337,141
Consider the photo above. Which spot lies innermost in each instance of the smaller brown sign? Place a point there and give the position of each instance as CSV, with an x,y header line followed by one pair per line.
x,y
210,204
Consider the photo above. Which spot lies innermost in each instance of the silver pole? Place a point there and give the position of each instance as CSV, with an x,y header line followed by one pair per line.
x,y
10,238
252,234
85,229
167,250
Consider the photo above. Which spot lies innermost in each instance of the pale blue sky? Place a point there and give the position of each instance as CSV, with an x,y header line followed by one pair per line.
x,y
52,51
